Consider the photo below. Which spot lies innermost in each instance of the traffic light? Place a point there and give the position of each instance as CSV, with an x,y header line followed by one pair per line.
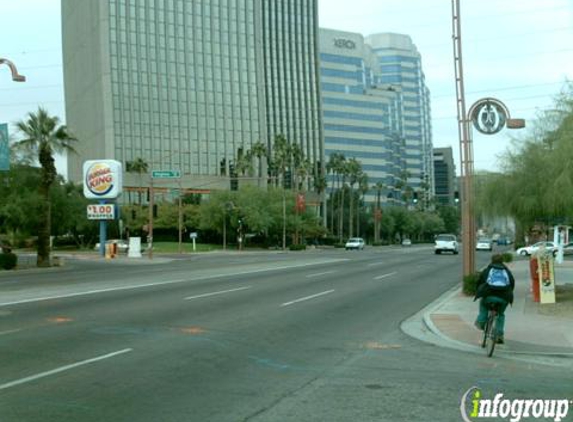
x,y
233,176
154,210
415,198
287,183
456,197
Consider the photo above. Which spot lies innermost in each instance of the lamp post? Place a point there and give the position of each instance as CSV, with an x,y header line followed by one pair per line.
x,y
16,77
488,116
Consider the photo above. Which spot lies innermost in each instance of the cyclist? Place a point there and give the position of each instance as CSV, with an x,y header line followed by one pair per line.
x,y
495,286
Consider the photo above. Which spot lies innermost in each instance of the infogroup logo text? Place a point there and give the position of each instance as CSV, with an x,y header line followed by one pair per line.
x,y
474,407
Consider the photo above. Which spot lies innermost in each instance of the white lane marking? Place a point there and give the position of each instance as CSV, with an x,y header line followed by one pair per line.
x,y
62,369
384,276
218,293
161,283
2,333
319,274
375,264
302,299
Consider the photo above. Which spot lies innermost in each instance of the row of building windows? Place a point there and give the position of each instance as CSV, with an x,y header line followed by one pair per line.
x,y
356,116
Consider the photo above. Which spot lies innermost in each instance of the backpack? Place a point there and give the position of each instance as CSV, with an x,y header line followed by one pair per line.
x,y
498,278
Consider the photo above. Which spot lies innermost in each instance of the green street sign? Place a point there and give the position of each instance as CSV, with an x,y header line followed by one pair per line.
x,y
166,174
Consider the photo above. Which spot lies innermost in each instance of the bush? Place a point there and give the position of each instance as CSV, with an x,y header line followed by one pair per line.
x,y
470,284
507,257
300,247
340,245
8,261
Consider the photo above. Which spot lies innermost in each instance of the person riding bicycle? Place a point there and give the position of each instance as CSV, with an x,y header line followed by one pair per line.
x,y
495,286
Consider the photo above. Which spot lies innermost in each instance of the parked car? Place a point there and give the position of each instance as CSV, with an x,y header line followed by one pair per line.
x,y
531,249
484,244
122,245
406,242
503,241
355,243
446,243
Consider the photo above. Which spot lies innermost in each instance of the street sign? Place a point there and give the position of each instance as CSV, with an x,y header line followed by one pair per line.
x,y
101,212
166,174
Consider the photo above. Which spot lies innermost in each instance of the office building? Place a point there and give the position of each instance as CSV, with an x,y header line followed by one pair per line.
x,y
445,176
372,114
189,85
401,65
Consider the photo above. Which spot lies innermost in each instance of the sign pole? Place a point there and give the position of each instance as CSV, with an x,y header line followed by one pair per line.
x,y
150,228
102,233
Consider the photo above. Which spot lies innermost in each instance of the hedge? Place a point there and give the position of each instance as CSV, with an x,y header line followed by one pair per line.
x,y
8,261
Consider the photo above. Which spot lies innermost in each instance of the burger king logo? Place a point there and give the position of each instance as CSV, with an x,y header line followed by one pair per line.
x,y
99,179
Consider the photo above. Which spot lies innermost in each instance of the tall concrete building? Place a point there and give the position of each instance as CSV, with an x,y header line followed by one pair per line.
x,y
362,119
401,65
189,84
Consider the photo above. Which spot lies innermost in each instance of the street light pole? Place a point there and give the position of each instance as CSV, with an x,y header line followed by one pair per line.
x,y
16,77
466,158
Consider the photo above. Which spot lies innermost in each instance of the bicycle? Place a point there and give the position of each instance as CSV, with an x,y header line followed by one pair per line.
x,y
490,332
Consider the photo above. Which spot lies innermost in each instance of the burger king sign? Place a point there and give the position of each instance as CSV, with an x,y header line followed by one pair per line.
x,y
102,179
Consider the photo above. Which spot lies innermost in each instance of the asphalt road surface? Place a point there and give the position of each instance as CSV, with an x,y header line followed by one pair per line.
x,y
277,337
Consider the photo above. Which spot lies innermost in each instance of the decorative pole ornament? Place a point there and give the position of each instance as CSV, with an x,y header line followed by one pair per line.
x,y
16,77
489,116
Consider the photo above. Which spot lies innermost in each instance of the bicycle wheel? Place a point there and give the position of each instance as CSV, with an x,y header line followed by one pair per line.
x,y
485,330
491,336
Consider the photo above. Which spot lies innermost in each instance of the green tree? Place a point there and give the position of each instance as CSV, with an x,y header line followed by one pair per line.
x,y
44,136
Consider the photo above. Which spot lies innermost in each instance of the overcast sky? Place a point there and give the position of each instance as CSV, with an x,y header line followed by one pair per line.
x,y
518,51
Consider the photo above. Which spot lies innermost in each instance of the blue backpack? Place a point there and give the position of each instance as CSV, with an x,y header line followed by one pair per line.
x,y
498,278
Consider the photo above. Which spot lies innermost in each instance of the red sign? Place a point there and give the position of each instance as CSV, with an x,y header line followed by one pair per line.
x,y
300,202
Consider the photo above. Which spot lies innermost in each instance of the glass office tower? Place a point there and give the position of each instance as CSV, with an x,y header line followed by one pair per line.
x,y
188,85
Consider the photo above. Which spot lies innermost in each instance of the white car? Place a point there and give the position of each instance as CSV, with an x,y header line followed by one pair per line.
x,y
446,243
484,244
354,243
406,242
531,249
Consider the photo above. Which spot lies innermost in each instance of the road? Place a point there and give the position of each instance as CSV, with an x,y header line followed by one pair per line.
x,y
310,336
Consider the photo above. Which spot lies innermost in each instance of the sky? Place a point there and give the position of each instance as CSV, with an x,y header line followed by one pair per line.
x,y
518,51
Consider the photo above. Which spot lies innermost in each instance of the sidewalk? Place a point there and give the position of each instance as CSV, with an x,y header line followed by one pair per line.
x,y
531,328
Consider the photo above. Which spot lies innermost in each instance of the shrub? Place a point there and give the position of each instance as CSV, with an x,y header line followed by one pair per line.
x,y
507,257
8,261
300,247
470,284
340,245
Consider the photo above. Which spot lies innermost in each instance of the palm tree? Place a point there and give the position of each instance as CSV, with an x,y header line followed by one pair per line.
x,y
344,171
139,166
334,166
379,187
363,188
43,135
259,150
244,163
354,170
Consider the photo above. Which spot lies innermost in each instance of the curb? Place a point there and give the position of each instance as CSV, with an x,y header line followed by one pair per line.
x,y
458,345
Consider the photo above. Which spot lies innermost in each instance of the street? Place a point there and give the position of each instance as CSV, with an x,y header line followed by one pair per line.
x,y
274,337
